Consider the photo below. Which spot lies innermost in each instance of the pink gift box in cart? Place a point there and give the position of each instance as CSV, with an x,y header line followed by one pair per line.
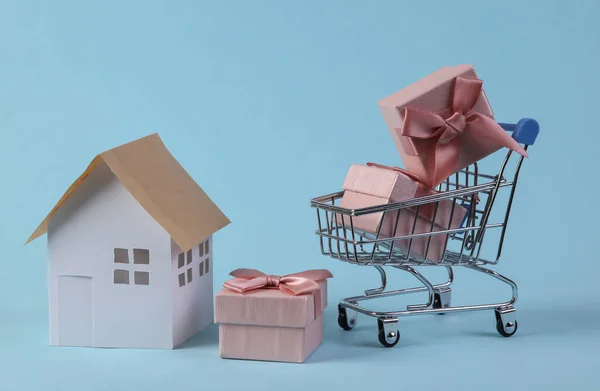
x,y
271,318
443,123
375,184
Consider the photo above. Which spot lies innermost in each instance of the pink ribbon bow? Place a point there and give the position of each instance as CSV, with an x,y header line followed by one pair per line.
x,y
436,135
247,280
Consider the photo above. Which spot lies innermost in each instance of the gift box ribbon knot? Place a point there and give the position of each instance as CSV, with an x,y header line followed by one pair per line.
x,y
435,135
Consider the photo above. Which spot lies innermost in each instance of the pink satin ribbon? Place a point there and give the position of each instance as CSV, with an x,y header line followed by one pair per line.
x,y
247,280
436,135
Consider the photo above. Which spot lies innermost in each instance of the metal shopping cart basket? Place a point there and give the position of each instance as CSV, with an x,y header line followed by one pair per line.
x,y
340,239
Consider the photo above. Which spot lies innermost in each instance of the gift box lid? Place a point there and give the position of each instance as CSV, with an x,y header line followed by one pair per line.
x,y
391,185
269,307
375,184
443,123
434,91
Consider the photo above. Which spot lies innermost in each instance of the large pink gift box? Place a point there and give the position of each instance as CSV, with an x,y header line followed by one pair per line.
x,y
375,184
271,318
443,123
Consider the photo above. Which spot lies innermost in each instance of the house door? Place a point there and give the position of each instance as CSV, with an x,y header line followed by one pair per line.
x,y
75,308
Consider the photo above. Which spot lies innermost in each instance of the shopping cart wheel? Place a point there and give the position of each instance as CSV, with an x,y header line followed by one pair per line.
x,y
388,332
506,322
346,318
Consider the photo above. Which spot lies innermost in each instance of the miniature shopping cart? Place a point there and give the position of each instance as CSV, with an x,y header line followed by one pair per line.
x,y
340,239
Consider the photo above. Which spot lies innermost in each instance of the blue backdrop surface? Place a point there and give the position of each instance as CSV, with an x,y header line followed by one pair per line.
x,y
267,104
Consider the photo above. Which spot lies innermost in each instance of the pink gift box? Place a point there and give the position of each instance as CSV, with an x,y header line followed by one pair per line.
x,y
373,185
271,318
443,123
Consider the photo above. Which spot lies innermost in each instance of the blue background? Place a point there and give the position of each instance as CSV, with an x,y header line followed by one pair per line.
x,y
266,104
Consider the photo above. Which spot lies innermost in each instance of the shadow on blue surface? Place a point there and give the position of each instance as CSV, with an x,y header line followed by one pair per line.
x,y
26,330
207,337
422,332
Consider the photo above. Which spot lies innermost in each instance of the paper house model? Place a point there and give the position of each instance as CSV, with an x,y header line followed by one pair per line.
x,y
130,252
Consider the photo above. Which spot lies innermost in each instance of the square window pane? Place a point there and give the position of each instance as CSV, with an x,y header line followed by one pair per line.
x,y
189,273
201,249
121,255
206,265
141,257
182,279
181,261
206,249
201,269
121,276
189,257
141,278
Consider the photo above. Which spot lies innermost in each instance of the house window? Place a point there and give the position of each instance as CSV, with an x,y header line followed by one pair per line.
x,y
185,268
204,250
141,278
204,267
141,257
125,273
121,255
121,276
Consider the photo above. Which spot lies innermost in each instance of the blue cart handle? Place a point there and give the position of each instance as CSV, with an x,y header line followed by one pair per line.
x,y
525,131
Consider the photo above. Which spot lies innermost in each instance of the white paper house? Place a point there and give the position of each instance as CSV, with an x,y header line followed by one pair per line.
x,y
130,252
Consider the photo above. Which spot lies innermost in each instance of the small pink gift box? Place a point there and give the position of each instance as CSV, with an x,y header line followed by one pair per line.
x,y
443,123
271,318
375,184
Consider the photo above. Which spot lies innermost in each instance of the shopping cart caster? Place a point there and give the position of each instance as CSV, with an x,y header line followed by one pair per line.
x,y
441,299
346,318
388,332
506,322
